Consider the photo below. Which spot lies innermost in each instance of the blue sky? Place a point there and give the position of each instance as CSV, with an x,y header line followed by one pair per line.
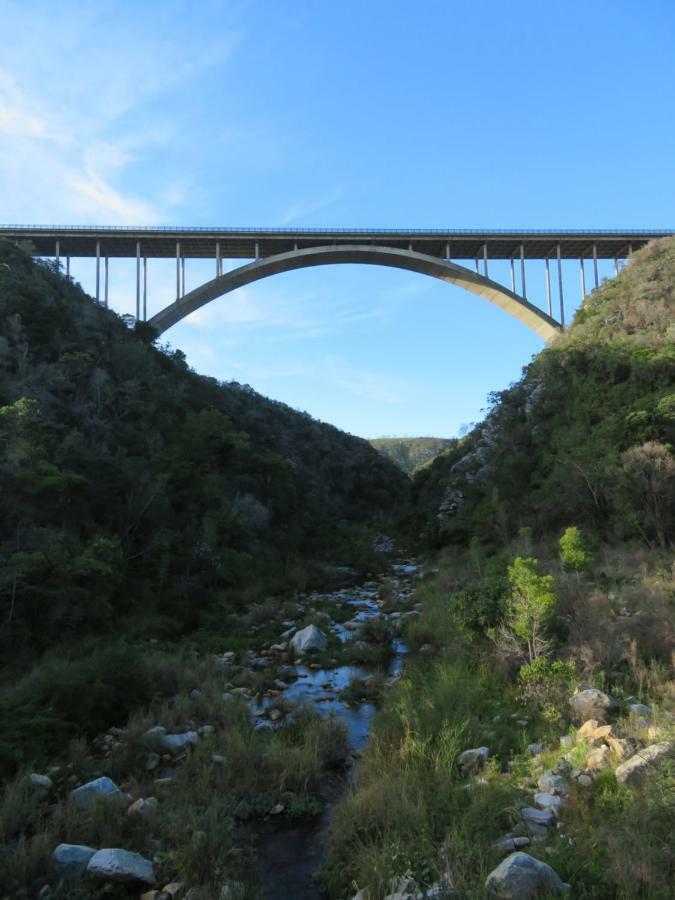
x,y
370,113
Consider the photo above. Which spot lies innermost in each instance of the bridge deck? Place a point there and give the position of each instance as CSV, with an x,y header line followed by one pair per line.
x,y
247,243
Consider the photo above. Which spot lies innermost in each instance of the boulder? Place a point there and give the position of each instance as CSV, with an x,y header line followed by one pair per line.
x,y
639,709
142,807
511,843
634,769
600,758
472,760
532,816
591,704
621,748
121,865
69,861
548,801
94,790
175,743
38,784
550,783
310,638
521,877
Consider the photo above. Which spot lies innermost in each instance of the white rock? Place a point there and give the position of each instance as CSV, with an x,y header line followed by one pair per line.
x,y
532,816
94,790
310,638
548,801
522,877
174,743
591,704
38,784
634,769
70,860
472,760
121,865
550,783
639,709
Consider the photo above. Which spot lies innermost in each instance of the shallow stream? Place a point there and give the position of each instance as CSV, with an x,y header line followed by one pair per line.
x,y
289,853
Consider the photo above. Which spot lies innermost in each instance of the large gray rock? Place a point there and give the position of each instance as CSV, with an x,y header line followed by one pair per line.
x,y
121,865
522,877
310,638
550,783
40,785
591,704
175,743
69,861
634,769
542,817
95,790
472,760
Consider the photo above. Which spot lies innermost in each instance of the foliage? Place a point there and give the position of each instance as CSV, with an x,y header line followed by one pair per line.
x,y
130,483
559,445
573,553
530,608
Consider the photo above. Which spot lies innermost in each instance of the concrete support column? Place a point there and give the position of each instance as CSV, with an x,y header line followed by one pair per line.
x,y
616,265
485,266
182,276
560,287
98,271
257,250
548,288
145,288
105,281
219,270
447,250
67,267
513,275
522,270
477,266
295,246
177,270
595,265
58,254
138,280
583,278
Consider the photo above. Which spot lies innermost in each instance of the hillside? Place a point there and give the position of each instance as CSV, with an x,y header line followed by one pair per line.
x,y
410,454
141,499
575,440
530,749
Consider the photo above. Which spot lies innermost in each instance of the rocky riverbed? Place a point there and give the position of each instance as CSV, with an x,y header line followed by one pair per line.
x,y
320,658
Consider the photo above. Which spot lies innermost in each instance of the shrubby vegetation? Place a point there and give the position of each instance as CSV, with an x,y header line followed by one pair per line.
x,y
586,436
551,525
141,501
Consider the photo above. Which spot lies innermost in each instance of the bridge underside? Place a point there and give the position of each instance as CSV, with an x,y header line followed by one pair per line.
x,y
429,252
409,260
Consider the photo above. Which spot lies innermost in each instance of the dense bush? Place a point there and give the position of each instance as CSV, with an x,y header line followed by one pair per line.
x,y
130,485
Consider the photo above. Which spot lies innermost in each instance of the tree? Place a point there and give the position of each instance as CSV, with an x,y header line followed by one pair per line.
x,y
650,471
531,606
574,555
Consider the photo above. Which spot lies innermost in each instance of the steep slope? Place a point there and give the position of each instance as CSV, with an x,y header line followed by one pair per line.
x,y
131,485
585,436
410,454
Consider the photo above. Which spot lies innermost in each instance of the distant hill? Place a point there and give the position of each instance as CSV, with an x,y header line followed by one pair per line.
x,y
410,454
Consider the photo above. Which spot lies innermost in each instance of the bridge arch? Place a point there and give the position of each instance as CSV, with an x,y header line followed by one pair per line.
x,y
408,260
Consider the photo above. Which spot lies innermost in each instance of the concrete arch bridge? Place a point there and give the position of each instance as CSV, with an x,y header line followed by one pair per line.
x,y
273,251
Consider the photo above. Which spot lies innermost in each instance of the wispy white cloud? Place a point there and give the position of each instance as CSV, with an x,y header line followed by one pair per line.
x,y
79,112
310,206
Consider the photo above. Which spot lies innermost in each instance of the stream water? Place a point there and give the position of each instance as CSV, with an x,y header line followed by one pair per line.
x,y
289,853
